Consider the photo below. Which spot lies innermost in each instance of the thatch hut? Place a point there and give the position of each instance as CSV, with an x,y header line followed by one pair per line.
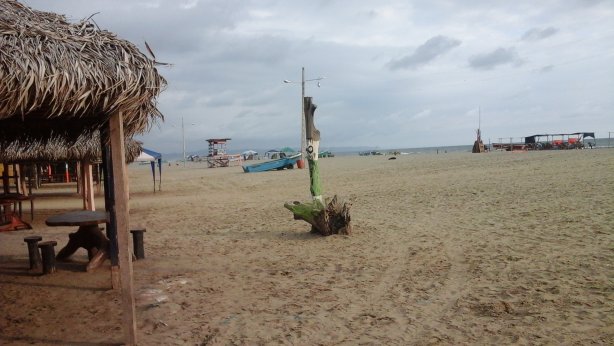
x,y
86,149
58,78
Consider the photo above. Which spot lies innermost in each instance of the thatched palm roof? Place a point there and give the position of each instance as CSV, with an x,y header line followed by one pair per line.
x,y
61,148
54,74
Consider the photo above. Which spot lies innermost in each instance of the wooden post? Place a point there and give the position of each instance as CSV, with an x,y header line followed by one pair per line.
x,y
80,182
36,177
120,209
325,218
98,178
109,198
87,181
5,178
313,146
22,180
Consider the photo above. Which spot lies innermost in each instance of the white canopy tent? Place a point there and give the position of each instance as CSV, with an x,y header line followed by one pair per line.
x,y
152,157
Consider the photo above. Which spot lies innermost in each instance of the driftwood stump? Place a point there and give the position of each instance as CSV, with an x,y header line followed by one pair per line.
x,y
334,218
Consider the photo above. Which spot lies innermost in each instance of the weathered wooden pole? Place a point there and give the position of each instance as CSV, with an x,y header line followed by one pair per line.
x,y
325,217
121,211
312,135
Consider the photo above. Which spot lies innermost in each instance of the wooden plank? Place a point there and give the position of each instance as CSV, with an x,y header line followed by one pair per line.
x,y
120,188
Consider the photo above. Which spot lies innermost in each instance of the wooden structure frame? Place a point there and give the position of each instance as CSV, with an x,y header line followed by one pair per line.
x,y
86,151
217,156
71,80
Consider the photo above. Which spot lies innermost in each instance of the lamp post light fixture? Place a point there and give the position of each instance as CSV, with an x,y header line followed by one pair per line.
x,y
303,80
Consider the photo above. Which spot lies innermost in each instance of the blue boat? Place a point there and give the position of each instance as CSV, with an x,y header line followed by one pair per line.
x,y
284,162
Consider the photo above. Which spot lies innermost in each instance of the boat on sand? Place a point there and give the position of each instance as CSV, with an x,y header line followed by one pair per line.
x,y
279,164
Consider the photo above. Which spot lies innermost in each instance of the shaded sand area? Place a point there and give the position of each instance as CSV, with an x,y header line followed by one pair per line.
x,y
495,248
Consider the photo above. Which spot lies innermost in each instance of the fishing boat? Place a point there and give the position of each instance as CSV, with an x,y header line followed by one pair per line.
x,y
284,162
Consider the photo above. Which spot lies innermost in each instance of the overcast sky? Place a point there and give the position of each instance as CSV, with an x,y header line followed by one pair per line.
x,y
399,74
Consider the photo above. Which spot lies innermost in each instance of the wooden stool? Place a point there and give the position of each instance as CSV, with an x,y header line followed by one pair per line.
x,y
137,242
33,253
48,255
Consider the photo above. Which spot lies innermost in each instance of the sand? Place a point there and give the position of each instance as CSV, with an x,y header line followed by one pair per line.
x,y
451,249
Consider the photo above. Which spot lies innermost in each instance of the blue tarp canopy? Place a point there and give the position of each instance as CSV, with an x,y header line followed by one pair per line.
x,y
151,156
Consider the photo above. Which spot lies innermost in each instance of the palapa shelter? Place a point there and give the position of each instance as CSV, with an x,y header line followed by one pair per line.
x,y
63,79
86,149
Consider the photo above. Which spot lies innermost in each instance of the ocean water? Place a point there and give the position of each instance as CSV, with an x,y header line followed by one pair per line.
x,y
345,151
600,143
408,151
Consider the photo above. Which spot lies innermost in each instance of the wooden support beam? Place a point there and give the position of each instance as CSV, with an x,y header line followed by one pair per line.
x,y
5,178
88,185
23,188
120,208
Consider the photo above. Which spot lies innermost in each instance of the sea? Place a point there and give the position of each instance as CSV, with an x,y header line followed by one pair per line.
x,y
348,151
598,143
403,151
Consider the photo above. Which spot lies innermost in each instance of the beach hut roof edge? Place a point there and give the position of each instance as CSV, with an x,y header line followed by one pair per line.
x,y
61,147
72,76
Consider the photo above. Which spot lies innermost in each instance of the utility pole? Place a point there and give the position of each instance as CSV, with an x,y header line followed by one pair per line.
x,y
303,132
183,140
303,140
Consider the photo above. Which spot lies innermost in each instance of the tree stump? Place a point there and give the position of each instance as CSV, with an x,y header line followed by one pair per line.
x,y
332,218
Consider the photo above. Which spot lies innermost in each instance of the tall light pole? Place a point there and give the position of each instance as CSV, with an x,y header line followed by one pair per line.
x,y
303,80
183,138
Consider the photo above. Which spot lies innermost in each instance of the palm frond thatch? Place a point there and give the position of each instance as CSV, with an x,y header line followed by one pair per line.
x,y
51,69
61,147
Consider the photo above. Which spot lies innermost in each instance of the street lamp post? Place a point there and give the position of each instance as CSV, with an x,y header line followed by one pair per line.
x,y
303,80
183,138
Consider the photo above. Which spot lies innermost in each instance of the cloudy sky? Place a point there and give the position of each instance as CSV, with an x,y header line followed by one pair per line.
x,y
399,74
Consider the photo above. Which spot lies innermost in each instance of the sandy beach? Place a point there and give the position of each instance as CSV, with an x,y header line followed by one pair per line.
x,y
496,248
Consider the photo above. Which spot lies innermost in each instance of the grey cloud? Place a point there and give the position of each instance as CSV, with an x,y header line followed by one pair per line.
x,y
428,51
546,68
229,64
252,50
536,34
499,56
